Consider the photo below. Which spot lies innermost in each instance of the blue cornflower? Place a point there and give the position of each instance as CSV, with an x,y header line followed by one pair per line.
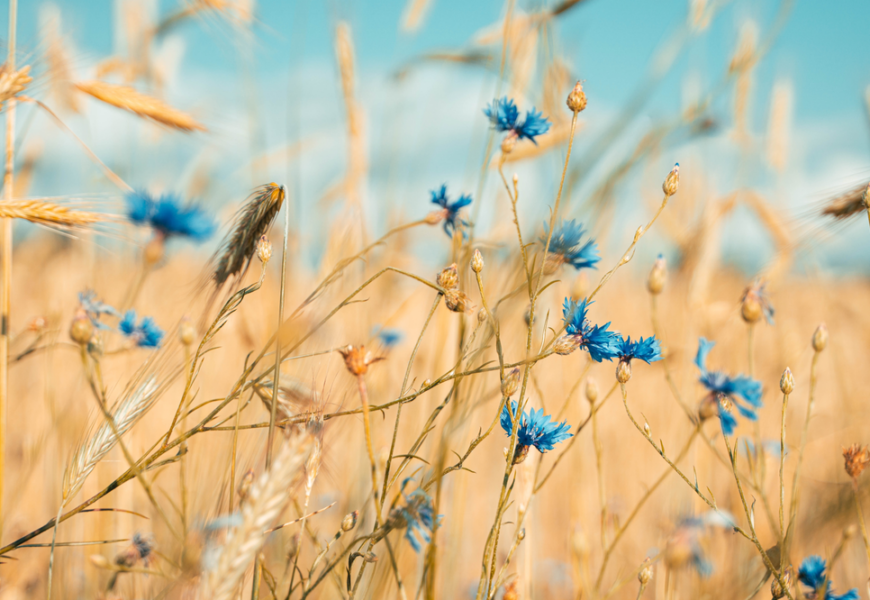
x,y
146,334
648,350
685,543
536,429
504,116
450,210
566,246
417,516
812,575
597,340
725,389
169,217
95,308
389,337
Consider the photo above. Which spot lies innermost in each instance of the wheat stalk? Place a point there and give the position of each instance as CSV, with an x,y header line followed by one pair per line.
x,y
127,414
48,213
267,498
145,106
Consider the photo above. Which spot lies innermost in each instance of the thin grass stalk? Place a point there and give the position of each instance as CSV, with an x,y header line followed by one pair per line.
x,y
861,521
6,265
795,485
782,530
599,470
277,370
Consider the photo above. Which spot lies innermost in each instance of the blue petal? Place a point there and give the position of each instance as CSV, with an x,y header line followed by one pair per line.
x,y
704,348
502,114
728,422
533,125
812,571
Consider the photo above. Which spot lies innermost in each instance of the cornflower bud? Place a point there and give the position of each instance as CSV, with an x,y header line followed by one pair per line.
x,y
657,276
357,360
577,98
154,250
81,329
448,278
508,143
477,261
349,521
426,383
186,332
510,383
481,315
264,249
820,338
565,345
672,181
591,391
458,302
786,382
646,573
647,430
435,217
709,407
623,371
776,590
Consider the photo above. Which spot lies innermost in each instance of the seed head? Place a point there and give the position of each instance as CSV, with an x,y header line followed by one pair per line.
x,y
657,276
510,383
565,345
187,332
646,573
623,371
13,82
672,181
448,278
264,249
357,360
458,302
820,338
349,521
81,329
477,261
577,98
856,458
786,382
591,391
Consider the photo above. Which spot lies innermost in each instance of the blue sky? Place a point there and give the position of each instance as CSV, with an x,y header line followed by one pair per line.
x,y
428,130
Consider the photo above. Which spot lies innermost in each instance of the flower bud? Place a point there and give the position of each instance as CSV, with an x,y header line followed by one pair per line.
x,y
565,345
435,217
577,98
522,534
786,382
657,276
520,454
186,332
527,315
477,261
95,345
709,407
623,371
855,459
510,383
750,309
349,521
481,315
154,250
508,143
264,249
426,384
448,278
672,181
81,329
776,590
820,338
357,360
647,430
646,573
591,391
99,561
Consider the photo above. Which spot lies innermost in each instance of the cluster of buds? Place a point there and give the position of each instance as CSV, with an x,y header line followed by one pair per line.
x,y
672,181
357,360
577,98
657,276
855,458
454,299
264,249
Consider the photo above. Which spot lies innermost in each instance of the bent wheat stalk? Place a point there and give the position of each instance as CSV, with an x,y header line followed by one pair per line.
x,y
127,98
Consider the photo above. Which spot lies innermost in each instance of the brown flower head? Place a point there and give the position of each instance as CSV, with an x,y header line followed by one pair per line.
x,y
357,360
856,458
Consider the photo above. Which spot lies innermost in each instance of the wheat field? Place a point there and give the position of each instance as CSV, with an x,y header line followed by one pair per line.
x,y
232,389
